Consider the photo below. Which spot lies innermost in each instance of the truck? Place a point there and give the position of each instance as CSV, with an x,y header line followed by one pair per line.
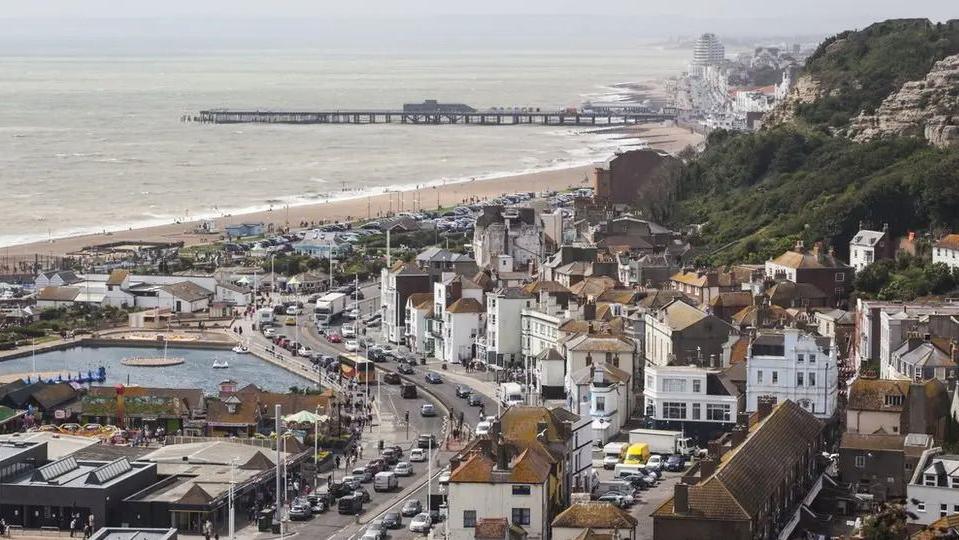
x,y
613,454
510,394
329,308
663,442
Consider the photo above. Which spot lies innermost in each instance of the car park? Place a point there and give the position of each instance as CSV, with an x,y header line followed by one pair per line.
x,y
433,377
421,523
427,409
411,507
615,498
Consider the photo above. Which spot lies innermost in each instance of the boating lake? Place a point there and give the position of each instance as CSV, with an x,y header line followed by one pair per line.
x,y
194,372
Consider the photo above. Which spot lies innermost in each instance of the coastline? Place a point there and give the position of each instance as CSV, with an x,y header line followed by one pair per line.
x,y
668,138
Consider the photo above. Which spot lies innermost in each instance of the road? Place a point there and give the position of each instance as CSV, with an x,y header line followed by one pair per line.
x,y
389,424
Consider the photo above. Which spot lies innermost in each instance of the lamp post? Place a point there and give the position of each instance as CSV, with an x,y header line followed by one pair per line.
x,y
232,519
316,444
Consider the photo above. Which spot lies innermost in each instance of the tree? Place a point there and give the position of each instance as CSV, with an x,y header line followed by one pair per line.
x,y
873,278
887,524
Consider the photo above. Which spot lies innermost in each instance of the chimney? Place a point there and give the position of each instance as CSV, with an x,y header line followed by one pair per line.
x,y
764,406
502,457
541,427
742,419
681,498
738,435
715,448
454,462
707,467
714,361
800,248
589,310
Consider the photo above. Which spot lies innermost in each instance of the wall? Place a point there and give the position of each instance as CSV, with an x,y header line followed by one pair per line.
x,y
562,533
700,529
494,501
880,466
869,422
932,497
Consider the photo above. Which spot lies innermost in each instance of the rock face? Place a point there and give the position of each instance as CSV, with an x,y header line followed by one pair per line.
x,y
928,108
806,90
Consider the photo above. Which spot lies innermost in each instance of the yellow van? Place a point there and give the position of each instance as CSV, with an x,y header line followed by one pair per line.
x,y
637,454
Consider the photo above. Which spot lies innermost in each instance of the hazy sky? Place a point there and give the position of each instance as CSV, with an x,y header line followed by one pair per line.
x,y
806,9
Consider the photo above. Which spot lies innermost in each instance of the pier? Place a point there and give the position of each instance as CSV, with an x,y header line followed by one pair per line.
x,y
463,116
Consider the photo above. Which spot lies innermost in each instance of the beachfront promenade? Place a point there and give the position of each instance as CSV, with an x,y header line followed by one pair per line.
x,y
477,118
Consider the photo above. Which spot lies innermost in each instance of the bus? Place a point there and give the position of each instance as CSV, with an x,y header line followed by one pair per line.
x,y
355,366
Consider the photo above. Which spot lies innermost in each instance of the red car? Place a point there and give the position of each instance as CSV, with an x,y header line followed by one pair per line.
x,y
335,338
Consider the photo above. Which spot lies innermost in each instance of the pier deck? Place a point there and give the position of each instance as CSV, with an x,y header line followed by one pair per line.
x,y
477,118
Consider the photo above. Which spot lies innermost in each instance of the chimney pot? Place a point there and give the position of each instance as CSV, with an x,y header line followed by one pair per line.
x,y
764,406
681,498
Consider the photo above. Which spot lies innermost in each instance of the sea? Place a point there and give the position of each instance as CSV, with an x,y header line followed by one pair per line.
x,y
92,143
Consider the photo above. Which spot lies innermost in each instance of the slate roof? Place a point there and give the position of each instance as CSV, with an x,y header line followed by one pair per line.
x,y
187,291
596,515
748,475
867,238
550,354
625,242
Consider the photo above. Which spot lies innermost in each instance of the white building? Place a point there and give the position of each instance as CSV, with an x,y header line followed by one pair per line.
x,y
794,365
867,247
603,394
933,492
419,308
701,402
504,309
458,316
516,232
708,51
882,326
946,251
237,295
396,285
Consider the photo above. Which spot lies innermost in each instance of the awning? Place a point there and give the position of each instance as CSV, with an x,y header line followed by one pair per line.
x,y
305,417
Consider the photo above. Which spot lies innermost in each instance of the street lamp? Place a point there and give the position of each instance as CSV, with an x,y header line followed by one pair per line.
x,y
232,498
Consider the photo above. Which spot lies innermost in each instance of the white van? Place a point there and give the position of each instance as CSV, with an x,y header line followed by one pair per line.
x,y
385,481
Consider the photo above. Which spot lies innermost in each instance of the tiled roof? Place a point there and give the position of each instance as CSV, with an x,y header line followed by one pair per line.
x,y
870,394
607,343
861,441
519,423
705,279
732,299
187,290
749,475
466,305
939,529
592,286
809,260
950,241
576,268
610,374
117,276
749,316
680,315
785,293
58,294
421,300
596,515
548,286
529,467
550,353
625,242
618,296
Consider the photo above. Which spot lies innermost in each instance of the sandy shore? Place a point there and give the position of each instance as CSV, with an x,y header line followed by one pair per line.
x,y
669,138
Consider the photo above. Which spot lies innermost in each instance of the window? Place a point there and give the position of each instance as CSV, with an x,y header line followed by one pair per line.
x,y
521,516
954,481
812,378
697,386
649,381
674,410
840,277
930,480
860,462
696,411
775,377
812,358
759,376
943,510
521,490
921,506
469,519
718,412
893,401
799,378
799,358
674,385
600,404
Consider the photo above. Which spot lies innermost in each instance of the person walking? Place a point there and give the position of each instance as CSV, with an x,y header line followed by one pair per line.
x,y
73,526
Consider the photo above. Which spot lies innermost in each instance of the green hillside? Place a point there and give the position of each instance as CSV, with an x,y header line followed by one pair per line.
x,y
757,193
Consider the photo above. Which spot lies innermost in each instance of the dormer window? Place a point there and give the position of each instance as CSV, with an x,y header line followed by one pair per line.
x,y
930,480
893,400
954,482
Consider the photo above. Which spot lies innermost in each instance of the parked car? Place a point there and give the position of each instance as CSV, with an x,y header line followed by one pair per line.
x,y
482,428
411,507
333,337
433,377
392,520
403,468
474,400
301,512
463,391
351,345
352,481
363,494
654,463
269,332
427,409
421,523
675,463
350,505
417,455
392,378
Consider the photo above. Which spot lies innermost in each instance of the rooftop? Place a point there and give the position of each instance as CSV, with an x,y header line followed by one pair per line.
x,y
596,515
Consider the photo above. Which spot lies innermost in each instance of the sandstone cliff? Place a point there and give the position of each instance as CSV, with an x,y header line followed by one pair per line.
x,y
927,108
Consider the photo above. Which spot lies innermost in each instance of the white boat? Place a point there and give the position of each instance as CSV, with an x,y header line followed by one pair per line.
x,y
220,364
241,349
